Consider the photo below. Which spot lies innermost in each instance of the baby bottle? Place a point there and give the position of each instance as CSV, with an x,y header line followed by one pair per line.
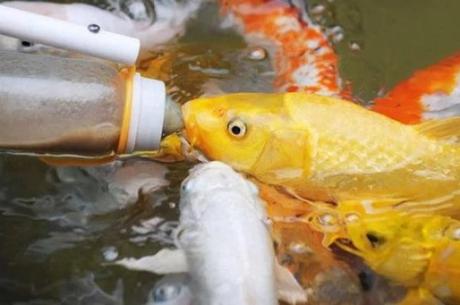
x,y
77,106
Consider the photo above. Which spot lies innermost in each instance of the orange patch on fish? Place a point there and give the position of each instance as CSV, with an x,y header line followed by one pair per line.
x,y
404,103
304,59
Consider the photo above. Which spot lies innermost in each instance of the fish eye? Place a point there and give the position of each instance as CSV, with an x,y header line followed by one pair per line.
x,y
27,44
237,128
456,234
374,239
453,232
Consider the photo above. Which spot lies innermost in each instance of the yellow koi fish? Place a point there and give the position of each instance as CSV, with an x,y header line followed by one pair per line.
x,y
327,149
419,251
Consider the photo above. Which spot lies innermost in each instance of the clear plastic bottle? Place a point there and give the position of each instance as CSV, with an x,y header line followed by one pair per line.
x,y
56,105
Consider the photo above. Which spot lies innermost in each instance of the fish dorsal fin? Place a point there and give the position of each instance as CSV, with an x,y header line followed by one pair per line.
x,y
164,261
445,129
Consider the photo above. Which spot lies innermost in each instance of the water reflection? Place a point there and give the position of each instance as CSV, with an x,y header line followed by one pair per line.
x,y
70,221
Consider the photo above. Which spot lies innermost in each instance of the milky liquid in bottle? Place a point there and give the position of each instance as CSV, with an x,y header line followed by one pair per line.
x,y
58,105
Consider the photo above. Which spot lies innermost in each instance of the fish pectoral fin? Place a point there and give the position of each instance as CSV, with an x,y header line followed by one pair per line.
x,y
446,129
164,261
285,157
289,290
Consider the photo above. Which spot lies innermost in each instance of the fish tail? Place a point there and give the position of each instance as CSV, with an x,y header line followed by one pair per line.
x,y
430,93
304,59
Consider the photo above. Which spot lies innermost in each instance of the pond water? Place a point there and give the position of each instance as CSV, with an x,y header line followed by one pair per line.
x,y
61,227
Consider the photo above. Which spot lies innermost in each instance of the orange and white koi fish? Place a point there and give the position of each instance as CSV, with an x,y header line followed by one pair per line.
x,y
431,93
304,59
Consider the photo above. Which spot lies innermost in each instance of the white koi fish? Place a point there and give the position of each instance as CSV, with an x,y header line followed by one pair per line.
x,y
223,243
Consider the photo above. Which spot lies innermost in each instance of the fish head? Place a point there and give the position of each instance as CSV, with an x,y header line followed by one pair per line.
x,y
213,176
372,234
229,128
210,182
252,132
391,243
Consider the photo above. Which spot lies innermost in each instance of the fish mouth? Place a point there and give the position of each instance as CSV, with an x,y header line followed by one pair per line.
x,y
190,135
190,125
190,153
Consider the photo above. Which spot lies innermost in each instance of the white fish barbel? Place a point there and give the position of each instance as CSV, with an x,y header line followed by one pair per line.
x,y
223,243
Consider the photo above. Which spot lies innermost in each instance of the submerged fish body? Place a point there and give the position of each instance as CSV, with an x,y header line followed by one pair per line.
x,y
299,247
419,251
326,149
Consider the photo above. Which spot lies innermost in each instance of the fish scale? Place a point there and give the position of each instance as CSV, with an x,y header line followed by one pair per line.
x,y
331,159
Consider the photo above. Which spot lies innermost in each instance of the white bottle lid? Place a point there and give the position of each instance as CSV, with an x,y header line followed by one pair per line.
x,y
90,40
147,114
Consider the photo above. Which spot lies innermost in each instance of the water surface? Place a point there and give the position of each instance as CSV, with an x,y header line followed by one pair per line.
x,y
61,227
